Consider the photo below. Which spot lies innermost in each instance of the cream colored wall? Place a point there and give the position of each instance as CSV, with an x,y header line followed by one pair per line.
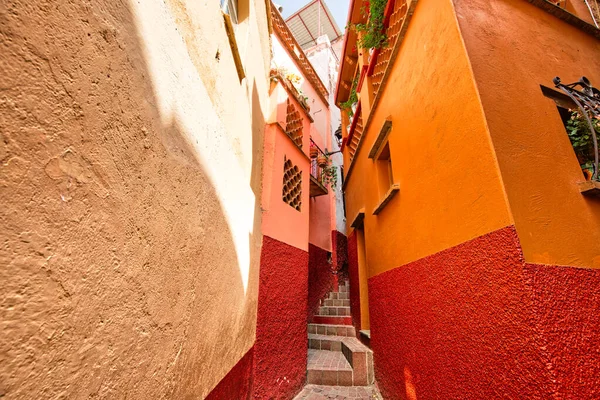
x,y
130,185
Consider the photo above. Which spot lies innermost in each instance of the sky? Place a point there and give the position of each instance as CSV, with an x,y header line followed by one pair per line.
x,y
339,9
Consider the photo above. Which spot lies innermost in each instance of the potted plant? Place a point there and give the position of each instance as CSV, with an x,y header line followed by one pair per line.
x,y
314,152
582,141
322,160
373,31
349,104
330,175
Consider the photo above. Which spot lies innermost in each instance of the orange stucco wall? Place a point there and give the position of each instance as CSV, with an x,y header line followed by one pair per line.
x,y
450,186
511,57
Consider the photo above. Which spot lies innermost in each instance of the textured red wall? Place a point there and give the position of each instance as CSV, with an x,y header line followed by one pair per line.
x,y
455,325
280,350
566,313
476,322
353,279
320,278
237,384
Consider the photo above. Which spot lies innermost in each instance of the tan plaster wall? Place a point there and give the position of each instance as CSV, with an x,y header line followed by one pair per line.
x,y
129,183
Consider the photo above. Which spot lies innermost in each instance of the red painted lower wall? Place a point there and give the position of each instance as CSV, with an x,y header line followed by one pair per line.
x,y
320,278
280,351
237,384
566,313
353,279
476,322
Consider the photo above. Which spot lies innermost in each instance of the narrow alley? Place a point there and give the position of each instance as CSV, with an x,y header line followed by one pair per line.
x,y
300,199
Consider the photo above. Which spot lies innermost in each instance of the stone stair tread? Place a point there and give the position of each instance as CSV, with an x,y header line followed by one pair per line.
x,y
355,345
326,337
324,360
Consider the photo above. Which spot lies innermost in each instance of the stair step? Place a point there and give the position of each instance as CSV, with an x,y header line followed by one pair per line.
x,y
360,358
332,319
326,310
325,342
332,330
328,368
339,295
336,303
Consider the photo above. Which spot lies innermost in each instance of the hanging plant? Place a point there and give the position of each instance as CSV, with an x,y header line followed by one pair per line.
x,y
352,98
329,171
582,140
373,31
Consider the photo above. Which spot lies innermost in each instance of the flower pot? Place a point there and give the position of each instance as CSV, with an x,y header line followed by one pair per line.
x,y
322,161
588,172
314,152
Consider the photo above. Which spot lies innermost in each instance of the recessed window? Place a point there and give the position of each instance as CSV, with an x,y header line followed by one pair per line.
x,y
230,7
385,176
577,129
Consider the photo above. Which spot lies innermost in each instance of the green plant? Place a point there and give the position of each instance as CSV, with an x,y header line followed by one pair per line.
x,y
581,136
373,31
352,98
329,175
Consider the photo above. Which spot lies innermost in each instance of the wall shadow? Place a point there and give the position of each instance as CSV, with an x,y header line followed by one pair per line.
x,y
120,271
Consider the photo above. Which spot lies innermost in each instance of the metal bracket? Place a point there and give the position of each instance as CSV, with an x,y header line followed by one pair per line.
x,y
588,100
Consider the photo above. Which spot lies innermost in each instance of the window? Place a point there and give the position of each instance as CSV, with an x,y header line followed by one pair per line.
x,y
385,178
230,7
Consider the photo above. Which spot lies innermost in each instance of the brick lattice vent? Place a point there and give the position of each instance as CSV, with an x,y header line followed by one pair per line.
x,y
292,185
293,124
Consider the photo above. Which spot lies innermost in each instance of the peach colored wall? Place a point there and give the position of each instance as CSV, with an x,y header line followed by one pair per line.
x,y
322,211
322,208
280,221
130,179
450,187
555,223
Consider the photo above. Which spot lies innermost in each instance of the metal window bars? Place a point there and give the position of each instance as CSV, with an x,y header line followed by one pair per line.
x,y
587,99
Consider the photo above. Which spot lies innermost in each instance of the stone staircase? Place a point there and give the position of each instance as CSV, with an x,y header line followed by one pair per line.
x,y
335,356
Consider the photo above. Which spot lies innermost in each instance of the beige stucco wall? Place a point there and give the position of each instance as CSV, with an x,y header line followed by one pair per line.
x,y
129,186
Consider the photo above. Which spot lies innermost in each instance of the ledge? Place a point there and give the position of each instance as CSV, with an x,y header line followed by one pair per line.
x,y
358,221
381,138
395,188
589,188
566,16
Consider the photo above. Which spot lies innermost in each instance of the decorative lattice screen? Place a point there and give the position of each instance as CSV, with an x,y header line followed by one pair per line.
x,y
293,124
292,185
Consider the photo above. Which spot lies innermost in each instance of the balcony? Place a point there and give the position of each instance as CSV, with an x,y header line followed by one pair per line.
x,y
318,163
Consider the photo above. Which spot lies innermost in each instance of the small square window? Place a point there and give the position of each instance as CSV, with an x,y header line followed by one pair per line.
x,y
230,7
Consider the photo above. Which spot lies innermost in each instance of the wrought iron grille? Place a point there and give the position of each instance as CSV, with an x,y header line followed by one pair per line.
x,y
587,99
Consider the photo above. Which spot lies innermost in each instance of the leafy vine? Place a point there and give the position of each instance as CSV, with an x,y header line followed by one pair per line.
x,y
374,36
